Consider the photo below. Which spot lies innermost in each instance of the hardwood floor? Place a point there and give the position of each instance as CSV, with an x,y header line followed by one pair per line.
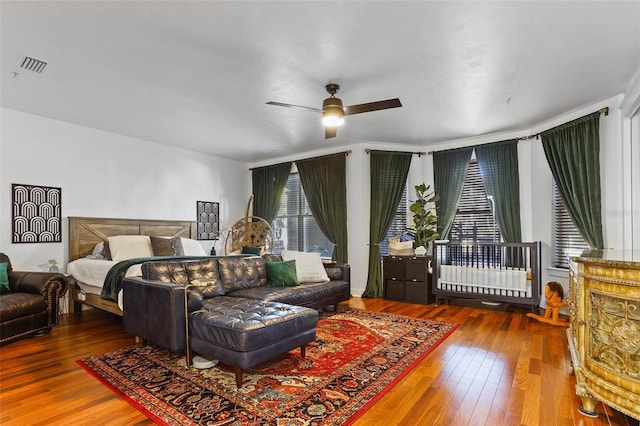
x,y
498,368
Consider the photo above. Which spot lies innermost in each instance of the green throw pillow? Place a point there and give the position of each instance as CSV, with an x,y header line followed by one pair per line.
x,y
282,274
252,250
4,278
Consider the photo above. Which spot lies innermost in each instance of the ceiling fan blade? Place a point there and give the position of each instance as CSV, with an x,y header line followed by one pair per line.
x,y
330,132
372,106
293,106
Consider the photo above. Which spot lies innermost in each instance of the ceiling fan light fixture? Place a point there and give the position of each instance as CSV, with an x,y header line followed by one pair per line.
x,y
332,118
332,112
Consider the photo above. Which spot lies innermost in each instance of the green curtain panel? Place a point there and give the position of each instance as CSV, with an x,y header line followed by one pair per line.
x,y
573,154
325,185
389,172
498,164
268,186
449,170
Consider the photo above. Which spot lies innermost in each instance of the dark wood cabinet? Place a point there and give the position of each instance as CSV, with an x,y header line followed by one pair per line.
x,y
407,279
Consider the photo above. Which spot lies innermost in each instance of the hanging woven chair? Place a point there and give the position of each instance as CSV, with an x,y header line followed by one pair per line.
x,y
250,231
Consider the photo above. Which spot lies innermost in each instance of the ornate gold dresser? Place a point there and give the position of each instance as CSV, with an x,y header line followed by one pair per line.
x,y
604,336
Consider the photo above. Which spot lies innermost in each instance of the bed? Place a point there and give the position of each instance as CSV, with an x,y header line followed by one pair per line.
x,y
86,232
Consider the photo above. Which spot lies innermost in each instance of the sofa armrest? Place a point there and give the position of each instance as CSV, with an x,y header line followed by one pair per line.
x,y
339,271
50,285
154,311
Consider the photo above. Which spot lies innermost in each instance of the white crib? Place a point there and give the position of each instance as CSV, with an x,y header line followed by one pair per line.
x,y
497,272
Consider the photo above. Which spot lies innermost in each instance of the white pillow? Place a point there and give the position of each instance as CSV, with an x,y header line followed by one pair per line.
x,y
97,251
309,267
192,247
123,247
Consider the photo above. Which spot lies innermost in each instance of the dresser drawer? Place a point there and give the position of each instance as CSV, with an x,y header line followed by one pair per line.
x,y
393,267
415,292
415,270
394,289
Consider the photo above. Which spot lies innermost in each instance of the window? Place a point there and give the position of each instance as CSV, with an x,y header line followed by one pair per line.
x,y
398,224
566,240
474,221
294,227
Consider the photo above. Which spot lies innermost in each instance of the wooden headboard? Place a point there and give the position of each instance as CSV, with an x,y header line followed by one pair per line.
x,y
86,232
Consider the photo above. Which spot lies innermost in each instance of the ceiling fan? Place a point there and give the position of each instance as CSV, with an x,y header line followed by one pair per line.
x,y
333,112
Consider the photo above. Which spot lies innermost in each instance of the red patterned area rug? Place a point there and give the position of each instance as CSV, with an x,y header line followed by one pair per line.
x,y
357,357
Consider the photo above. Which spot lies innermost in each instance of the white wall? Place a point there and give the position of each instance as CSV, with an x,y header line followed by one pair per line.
x,y
108,175
630,109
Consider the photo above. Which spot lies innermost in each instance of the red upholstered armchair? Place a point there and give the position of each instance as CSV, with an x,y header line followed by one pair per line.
x,y
32,304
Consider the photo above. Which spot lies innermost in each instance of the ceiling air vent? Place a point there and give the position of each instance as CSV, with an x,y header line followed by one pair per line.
x,y
32,64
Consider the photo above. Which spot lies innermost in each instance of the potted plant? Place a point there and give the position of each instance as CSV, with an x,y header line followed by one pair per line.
x,y
425,220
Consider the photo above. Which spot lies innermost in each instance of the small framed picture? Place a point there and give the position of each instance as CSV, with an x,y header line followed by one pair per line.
x,y
208,215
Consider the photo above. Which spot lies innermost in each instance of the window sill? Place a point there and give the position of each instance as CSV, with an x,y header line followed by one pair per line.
x,y
558,272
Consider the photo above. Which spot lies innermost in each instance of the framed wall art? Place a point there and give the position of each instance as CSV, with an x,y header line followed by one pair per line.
x,y
208,224
36,214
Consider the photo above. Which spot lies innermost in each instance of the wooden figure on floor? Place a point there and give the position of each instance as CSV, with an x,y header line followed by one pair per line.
x,y
554,294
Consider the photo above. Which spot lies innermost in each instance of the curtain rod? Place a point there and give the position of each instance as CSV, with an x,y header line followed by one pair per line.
x,y
419,154
526,138
604,111
310,158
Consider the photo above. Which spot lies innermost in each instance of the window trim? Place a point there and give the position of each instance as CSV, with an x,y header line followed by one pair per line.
x,y
399,223
472,182
574,244
303,230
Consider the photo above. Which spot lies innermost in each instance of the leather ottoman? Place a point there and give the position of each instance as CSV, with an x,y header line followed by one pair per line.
x,y
244,332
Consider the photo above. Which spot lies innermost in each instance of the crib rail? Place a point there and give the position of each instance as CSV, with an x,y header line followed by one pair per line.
x,y
498,272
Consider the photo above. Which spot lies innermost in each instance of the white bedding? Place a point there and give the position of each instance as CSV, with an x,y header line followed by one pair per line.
x,y
90,274
91,271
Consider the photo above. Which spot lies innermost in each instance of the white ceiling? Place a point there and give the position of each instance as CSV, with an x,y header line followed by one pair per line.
x,y
198,74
